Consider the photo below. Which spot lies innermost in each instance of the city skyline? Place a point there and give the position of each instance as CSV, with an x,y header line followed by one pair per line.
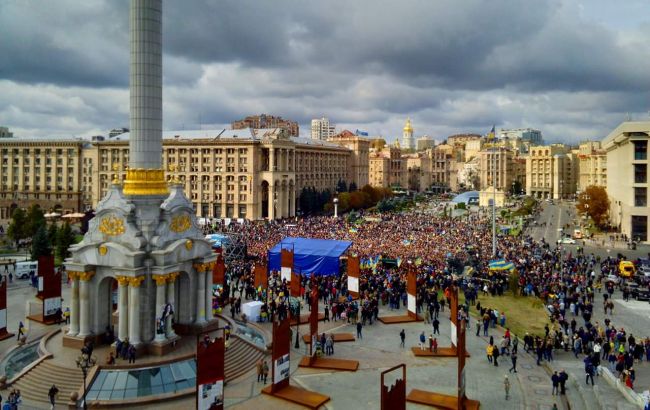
x,y
573,71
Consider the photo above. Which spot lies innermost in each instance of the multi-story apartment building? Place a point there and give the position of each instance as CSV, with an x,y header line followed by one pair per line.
x,y
227,173
265,121
387,168
443,164
592,166
627,178
551,171
497,168
46,172
532,136
424,143
358,166
321,129
418,169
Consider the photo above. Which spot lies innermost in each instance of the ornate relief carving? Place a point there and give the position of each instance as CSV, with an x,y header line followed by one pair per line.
x,y
136,281
180,223
122,280
160,279
111,225
86,276
103,250
189,244
171,278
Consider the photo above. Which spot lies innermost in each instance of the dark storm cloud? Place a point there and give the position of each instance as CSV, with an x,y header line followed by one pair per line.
x,y
451,65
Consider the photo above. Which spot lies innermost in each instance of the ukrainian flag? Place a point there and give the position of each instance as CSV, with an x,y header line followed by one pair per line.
x,y
490,135
501,264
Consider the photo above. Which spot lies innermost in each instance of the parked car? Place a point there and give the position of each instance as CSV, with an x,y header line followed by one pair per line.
x,y
566,241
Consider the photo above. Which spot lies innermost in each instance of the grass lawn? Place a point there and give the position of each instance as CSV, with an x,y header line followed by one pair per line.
x,y
523,314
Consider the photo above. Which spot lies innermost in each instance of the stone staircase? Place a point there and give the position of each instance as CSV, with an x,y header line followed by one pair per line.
x,y
240,358
35,384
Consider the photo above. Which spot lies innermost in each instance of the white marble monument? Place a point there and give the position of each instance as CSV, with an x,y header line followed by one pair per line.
x,y
144,242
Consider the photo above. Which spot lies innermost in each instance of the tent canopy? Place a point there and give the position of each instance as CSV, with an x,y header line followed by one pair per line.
x,y
318,256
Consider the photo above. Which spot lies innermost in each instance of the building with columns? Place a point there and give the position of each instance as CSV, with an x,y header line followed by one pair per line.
x,y
144,239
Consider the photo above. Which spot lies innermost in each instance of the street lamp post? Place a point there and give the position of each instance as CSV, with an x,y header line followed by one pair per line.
x,y
85,362
336,207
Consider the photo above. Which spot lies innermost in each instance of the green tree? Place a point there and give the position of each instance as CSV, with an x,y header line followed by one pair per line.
x,y
52,233
65,237
35,219
352,187
341,186
17,227
40,244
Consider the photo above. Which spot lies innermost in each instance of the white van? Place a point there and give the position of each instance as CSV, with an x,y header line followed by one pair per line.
x,y
25,269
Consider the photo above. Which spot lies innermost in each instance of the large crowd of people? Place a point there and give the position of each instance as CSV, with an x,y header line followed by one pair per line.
x,y
440,249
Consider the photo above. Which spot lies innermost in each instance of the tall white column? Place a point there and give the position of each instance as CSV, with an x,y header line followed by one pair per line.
x,y
84,303
134,309
74,304
200,293
171,280
208,293
161,282
271,200
123,307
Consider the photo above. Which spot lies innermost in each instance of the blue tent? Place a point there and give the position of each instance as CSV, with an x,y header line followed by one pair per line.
x,y
319,256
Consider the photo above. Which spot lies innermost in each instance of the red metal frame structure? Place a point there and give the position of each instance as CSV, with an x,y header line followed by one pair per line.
x,y
210,375
394,397
412,293
4,334
313,321
280,355
261,276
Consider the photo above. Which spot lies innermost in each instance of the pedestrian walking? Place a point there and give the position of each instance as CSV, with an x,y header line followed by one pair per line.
x,y
478,328
436,326
21,330
359,326
563,378
513,359
402,336
506,386
495,356
423,340
265,370
260,370
132,352
555,380
52,395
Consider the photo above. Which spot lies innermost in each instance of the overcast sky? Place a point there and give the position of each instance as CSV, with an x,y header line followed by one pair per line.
x,y
573,69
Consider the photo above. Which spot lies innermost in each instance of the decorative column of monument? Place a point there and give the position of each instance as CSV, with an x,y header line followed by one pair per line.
x,y
84,303
161,283
4,334
208,291
171,280
353,276
134,309
123,307
74,303
200,293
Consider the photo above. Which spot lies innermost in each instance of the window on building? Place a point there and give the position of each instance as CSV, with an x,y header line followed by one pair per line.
x,y
640,150
640,196
639,228
242,211
640,173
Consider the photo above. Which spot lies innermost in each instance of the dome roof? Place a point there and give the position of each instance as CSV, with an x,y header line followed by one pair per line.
x,y
407,127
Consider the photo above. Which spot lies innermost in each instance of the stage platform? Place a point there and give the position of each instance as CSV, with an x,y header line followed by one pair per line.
x,y
391,320
39,318
300,396
442,352
337,337
440,401
304,319
330,364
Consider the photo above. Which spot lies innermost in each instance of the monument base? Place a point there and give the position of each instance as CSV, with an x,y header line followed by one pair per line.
x,y
164,346
307,398
440,401
76,342
45,320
